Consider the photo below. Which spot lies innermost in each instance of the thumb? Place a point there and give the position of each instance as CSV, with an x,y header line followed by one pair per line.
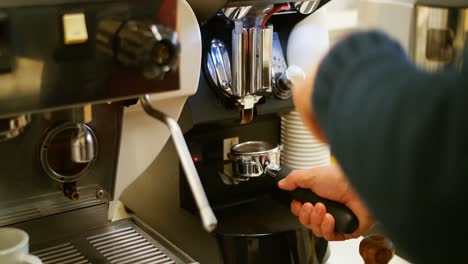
x,y
287,185
296,179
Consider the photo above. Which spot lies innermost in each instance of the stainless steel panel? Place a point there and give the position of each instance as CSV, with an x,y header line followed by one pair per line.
x,y
42,73
239,56
219,66
85,236
267,43
64,254
27,191
440,36
255,60
47,204
126,245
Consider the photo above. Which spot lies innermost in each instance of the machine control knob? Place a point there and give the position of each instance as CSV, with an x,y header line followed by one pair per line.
x,y
376,249
141,45
286,81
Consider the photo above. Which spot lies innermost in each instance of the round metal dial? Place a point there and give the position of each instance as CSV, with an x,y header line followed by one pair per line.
x,y
139,44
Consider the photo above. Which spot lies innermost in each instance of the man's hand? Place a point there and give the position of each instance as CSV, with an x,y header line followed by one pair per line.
x,y
330,183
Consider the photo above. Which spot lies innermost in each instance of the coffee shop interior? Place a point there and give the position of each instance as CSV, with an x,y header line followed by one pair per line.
x,y
155,131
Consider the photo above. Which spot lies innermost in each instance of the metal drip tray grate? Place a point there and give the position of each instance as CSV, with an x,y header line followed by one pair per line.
x,y
63,254
128,246
123,242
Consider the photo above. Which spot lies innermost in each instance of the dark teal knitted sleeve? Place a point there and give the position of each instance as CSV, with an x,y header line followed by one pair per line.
x,y
401,136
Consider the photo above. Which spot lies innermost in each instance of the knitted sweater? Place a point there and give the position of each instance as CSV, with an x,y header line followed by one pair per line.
x,y
401,136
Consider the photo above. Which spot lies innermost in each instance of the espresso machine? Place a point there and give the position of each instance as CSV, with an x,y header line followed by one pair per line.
x,y
69,70
244,89
433,32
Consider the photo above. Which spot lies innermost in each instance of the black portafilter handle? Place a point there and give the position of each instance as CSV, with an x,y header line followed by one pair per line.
x,y
345,220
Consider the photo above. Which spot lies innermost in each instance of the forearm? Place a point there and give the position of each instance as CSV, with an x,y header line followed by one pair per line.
x,y
395,130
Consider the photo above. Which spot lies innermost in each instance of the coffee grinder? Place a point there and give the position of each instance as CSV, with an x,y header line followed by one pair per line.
x,y
244,88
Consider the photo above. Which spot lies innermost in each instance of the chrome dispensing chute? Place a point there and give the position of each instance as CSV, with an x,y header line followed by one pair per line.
x,y
256,67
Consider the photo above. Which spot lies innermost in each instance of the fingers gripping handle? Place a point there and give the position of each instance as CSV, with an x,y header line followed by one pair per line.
x,y
345,220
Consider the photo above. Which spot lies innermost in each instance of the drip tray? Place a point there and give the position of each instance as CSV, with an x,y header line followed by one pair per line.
x,y
127,241
121,244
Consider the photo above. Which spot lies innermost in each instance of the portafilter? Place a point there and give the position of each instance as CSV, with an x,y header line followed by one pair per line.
x,y
258,158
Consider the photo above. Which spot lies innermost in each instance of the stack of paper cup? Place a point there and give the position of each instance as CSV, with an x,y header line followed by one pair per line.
x,y
300,148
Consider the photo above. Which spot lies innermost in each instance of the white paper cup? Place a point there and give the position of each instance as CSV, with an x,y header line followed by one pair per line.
x,y
309,155
306,136
288,132
312,142
292,118
301,166
302,144
14,247
300,148
292,123
309,159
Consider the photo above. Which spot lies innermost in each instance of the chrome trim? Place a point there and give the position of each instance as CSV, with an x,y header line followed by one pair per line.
x,y
253,148
249,159
45,147
286,81
260,43
239,56
267,44
219,66
12,127
236,13
255,59
82,145
306,7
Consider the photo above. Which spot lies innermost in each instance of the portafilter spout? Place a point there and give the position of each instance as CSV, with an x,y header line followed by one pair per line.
x,y
82,142
206,213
